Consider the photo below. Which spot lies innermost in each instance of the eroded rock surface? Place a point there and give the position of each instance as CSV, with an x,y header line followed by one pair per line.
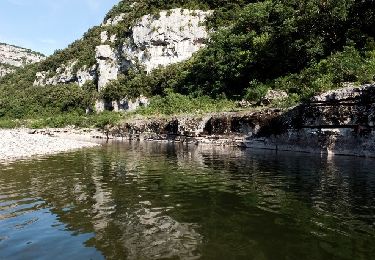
x,y
13,57
217,129
336,122
175,35
172,37
274,95
66,74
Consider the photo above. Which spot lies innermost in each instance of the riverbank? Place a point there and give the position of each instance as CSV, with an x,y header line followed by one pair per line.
x,y
24,143
338,122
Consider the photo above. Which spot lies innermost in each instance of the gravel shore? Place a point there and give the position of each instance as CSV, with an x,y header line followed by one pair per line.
x,y
20,143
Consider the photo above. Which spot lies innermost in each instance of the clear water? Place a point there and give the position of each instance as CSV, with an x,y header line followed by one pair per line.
x,y
157,201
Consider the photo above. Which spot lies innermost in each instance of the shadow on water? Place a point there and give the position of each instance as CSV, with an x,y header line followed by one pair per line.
x,y
159,201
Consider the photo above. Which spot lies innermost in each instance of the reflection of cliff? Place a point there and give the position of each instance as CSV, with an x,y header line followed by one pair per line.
x,y
164,201
154,235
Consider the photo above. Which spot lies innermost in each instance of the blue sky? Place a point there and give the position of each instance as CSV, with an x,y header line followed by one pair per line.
x,y
47,25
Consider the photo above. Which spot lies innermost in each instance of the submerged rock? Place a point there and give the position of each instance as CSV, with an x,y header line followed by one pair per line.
x,y
155,235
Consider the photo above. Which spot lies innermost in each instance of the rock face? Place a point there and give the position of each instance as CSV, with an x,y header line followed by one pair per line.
x,y
108,67
6,69
65,74
173,37
337,122
217,129
170,37
274,95
13,57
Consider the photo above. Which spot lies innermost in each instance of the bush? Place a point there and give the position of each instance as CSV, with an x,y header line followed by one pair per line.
x,y
174,103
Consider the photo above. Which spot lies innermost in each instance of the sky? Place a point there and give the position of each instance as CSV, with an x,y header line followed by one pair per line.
x,y
47,25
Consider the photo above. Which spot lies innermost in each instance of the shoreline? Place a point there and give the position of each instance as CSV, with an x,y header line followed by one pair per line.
x,y
18,144
23,143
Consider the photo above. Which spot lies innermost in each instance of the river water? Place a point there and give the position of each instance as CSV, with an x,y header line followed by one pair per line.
x,y
159,201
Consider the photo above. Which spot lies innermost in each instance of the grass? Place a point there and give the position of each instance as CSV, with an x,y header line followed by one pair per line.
x,y
63,120
175,104
160,107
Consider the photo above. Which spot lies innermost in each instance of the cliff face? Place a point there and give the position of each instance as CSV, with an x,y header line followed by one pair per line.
x,y
336,122
13,57
172,37
169,37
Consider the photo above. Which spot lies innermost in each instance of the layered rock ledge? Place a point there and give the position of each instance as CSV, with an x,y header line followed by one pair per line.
x,y
336,122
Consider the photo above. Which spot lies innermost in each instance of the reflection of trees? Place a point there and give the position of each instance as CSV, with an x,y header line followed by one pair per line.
x,y
166,200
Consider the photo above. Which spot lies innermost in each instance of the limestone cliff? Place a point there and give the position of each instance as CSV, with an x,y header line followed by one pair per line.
x,y
336,122
13,57
154,40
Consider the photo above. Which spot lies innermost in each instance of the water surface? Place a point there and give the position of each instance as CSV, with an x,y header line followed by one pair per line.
x,y
159,201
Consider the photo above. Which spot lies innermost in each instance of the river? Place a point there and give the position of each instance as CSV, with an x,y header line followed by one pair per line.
x,y
164,201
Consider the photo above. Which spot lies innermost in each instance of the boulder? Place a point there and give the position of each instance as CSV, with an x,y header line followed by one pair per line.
x,y
274,95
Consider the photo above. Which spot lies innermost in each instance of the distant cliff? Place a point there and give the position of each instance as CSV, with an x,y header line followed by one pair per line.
x,y
13,57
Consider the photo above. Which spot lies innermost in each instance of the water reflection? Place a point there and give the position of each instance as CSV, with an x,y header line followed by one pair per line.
x,y
158,201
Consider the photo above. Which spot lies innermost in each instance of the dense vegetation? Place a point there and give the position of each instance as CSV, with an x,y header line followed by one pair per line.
x,y
302,47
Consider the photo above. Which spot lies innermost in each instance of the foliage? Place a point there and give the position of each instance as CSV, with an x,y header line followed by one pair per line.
x,y
174,104
36,101
346,66
302,47
273,39
63,120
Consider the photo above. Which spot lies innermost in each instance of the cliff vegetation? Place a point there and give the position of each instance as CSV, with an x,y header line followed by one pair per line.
x,y
300,47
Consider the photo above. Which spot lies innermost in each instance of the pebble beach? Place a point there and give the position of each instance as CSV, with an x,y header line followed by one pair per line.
x,y
21,144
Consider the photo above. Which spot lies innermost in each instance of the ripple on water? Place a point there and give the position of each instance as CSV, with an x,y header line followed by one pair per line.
x,y
142,201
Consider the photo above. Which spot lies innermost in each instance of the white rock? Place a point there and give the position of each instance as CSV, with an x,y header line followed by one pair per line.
x,y
84,75
18,144
4,70
113,38
104,36
114,21
274,95
173,37
341,94
62,75
16,57
128,105
108,65
99,105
